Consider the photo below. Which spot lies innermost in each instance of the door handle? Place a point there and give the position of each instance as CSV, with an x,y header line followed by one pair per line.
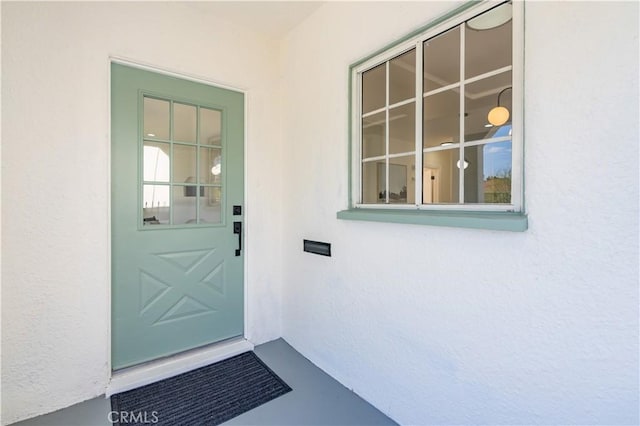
x,y
237,229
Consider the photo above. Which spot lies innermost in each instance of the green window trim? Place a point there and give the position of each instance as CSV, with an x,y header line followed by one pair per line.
x,y
497,221
512,221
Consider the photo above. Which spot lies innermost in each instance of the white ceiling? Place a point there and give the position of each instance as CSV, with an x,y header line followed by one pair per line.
x,y
271,18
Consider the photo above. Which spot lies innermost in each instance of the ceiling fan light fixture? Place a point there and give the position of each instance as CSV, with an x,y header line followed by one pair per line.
x,y
465,164
217,167
498,116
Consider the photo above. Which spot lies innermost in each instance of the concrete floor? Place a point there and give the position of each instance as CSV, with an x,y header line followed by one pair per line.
x,y
316,399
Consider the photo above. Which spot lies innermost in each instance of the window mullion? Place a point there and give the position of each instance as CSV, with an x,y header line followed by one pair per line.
x,y
461,118
386,133
419,124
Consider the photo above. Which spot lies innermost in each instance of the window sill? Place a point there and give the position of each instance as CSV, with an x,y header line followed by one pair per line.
x,y
498,221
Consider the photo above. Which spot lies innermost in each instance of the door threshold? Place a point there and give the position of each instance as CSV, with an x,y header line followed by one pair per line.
x,y
154,371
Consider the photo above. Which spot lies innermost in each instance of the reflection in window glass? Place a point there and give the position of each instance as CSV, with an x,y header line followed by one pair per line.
x,y
156,119
373,134
156,162
210,166
184,204
441,60
401,188
184,123
372,181
210,127
441,177
155,204
487,49
487,174
481,97
374,88
402,77
441,123
402,129
211,205
401,180
184,164
496,173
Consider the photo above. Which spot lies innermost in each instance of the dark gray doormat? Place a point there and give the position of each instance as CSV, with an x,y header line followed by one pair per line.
x,y
207,396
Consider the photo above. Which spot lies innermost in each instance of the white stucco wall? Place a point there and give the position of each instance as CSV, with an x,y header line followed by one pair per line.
x,y
455,326
55,174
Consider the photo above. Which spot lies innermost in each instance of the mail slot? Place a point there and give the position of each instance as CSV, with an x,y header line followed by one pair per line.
x,y
317,247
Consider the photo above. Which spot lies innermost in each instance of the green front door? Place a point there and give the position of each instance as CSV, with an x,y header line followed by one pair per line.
x,y
176,207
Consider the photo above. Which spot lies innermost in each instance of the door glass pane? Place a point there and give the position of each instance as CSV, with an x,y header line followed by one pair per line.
x,y
373,134
487,46
155,204
488,175
441,177
156,161
190,167
210,165
184,204
442,60
184,122
402,77
210,127
156,119
374,88
402,129
481,97
211,205
441,123
184,164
